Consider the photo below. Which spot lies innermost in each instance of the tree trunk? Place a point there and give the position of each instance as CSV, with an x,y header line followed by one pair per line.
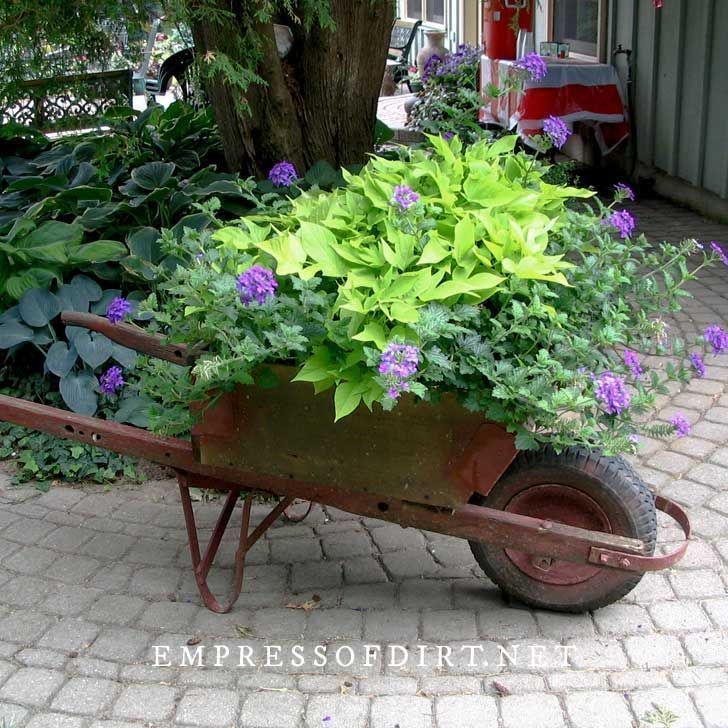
x,y
319,102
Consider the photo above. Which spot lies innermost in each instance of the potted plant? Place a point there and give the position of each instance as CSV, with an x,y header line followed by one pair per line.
x,y
393,343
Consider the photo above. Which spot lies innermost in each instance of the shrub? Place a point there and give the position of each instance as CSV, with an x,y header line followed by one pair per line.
x,y
459,271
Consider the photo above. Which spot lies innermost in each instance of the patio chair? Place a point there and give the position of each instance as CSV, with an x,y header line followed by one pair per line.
x,y
403,37
176,68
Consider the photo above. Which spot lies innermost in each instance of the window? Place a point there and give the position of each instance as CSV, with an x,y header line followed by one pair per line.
x,y
429,11
577,22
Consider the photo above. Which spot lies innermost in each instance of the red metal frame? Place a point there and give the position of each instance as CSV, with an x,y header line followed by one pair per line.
x,y
478,523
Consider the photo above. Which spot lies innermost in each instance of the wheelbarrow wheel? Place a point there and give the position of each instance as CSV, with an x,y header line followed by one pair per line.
x,y
579,488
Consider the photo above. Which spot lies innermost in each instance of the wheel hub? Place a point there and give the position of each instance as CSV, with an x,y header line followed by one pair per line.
x,y
561,504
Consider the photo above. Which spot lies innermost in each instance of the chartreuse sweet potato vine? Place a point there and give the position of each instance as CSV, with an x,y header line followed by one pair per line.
x,y
452,270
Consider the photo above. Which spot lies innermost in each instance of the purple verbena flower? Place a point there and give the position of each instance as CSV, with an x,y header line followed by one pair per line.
x,y
612,392
448,135
283,174
698,364
622,221
118,310
681,425
256,284
633,438
533,65
398,363
405,197
632,360
624,192
556,131
719,252
717,338
111,381
430,66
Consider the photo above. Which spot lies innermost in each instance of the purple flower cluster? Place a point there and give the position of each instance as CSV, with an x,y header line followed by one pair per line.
x,y
624,192
398,363
256,284
622,221
681,425
118,310
283,174
717,338
404,197
698,364
111,381
533,66
465,58
612,392
431,66
556,131
719,252
632,360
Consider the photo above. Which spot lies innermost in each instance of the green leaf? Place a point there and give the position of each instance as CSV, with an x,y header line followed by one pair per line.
x,y
464,238
373,331
61,358
38,307
134,411
316,368
319,244
152,175
100,251
143,244
347,398
404,312
78,391
13,333
93,348
288,252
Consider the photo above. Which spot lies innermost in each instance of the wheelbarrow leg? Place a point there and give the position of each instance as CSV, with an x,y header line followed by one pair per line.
x,y
202,563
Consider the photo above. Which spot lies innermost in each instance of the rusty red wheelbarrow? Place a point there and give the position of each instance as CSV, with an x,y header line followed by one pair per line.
x,y
571,532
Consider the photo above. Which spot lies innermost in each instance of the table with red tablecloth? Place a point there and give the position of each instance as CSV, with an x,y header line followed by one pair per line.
x,y
571,90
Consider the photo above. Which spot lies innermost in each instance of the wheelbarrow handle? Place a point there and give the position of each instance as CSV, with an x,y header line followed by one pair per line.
x,y
628,562
133,338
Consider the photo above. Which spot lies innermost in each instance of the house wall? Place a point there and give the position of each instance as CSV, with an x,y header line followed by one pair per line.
x,y
681,92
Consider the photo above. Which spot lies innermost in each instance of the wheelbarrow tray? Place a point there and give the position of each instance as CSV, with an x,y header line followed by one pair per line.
x,y
436,454
423,465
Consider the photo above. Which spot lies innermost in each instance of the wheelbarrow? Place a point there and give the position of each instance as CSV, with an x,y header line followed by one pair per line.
x,y
570,531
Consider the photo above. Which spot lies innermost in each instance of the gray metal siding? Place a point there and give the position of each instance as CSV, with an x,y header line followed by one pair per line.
x,y
681,86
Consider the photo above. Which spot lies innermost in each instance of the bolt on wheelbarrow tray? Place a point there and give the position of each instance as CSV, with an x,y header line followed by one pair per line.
x,y
570,531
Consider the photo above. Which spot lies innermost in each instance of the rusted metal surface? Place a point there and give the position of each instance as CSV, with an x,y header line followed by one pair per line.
x,y
202,563
618,560
133,337
434,454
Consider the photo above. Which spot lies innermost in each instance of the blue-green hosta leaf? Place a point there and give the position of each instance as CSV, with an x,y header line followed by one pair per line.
x,y
125,356
13,333
100,307
61,358
78,390
93,348
38,307
152,175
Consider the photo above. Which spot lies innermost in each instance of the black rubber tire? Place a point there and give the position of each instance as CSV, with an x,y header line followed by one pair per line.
x,y
609,481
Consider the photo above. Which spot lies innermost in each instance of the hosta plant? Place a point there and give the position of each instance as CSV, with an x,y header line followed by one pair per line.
x,y
454,271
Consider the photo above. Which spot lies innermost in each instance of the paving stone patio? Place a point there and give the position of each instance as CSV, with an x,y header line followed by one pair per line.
x,y
91,581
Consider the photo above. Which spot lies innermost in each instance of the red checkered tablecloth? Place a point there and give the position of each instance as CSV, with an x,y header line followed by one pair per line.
x,y
572,91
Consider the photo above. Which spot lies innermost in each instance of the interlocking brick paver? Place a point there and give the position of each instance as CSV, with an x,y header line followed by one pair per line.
x,y
55,720
84,695
598,710
69,634
350,711
466,711
405,711
31,686
145,702
676,701
272,710
538,710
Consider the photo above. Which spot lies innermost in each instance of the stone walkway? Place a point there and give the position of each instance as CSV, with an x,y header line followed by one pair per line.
x,y
90,582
